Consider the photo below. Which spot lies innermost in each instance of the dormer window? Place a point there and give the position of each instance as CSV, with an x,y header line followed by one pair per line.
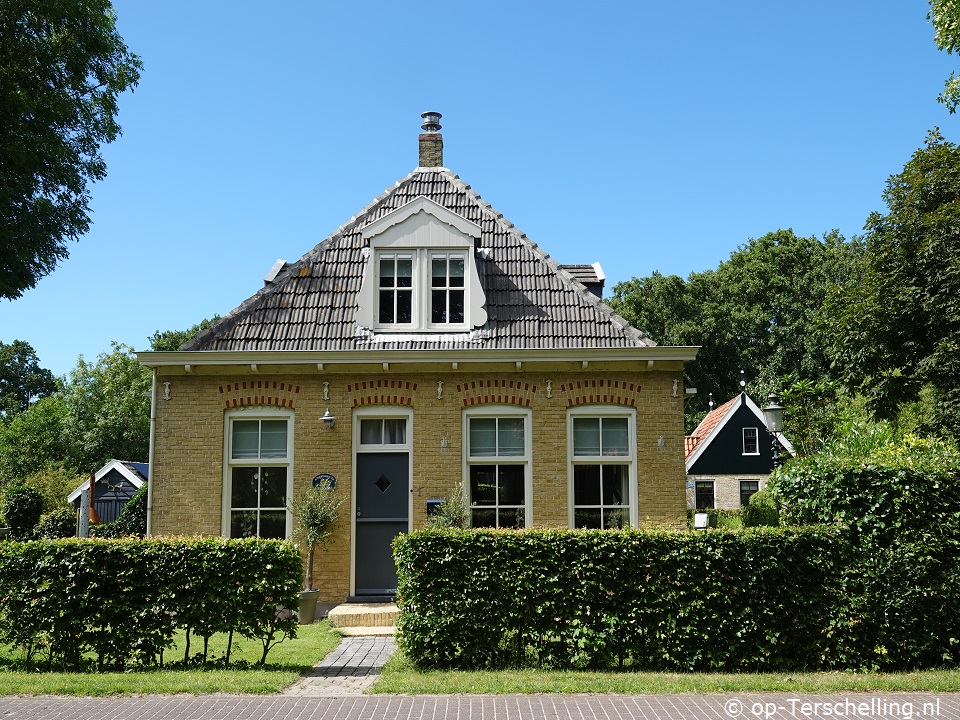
x,y
421,272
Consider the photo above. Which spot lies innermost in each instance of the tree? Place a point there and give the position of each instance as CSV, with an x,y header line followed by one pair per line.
x,y
945,16
21,378
34,440
757,313
895,330
62,67
171,340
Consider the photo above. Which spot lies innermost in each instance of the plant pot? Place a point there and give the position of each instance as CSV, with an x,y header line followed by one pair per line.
x,y
308,606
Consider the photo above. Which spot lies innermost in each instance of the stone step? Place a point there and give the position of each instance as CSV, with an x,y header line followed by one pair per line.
x,y
365,615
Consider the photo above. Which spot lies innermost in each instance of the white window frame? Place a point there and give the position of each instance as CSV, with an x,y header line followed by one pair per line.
x,y
254,413
630,459
414,290
713,492
526,460
422,288
756,437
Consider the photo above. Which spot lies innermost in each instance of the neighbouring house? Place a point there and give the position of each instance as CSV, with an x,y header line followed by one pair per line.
x,y
730,455
425,347
115,483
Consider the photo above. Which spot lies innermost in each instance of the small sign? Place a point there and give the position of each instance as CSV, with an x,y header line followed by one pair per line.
x,y
689,485
325,479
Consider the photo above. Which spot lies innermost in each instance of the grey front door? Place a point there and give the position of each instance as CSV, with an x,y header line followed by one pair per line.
x,y
383,501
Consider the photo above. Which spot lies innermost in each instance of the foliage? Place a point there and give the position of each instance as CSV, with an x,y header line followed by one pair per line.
x,y
123,600
22,507
22,380
62,67
60,523
652,600
171,340
35,439
315,513
757,312
881,487
55,484
945,16
761,511
132,521
452,512
108,406
893,332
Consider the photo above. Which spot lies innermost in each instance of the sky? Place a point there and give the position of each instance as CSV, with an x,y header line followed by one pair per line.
x,y
646,136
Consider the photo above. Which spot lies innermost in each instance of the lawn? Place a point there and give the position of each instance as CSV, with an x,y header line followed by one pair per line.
x,y
401,676
286,663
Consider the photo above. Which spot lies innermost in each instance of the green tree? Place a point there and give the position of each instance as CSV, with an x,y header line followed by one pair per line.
x,y
171,340
62,68
895,330
21,378
945,16
35,439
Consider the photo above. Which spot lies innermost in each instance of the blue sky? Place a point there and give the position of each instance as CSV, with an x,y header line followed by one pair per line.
x,y
643,135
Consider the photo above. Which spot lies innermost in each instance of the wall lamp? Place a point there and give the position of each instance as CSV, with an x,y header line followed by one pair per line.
x,y
329,419
773,419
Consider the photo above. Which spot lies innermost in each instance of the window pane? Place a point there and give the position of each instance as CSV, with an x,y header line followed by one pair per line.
x,y
750,441
438,306
483,518
616,519
404,306
456,271
404,271
273,524
511,484
483,437
456,306
483,490
747,489
704,495
246,439
511,518
386,306
439,271
395,431
510,437
586,485
387,271
273,439
243,487
616,438
615,485
586,436
273,487
588,518
243,524
371,432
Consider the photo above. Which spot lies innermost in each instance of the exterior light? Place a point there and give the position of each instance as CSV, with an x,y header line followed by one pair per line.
x,y
329,419
773,419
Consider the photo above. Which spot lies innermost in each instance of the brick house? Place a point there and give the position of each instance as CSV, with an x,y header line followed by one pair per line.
x,y
425,347
730,456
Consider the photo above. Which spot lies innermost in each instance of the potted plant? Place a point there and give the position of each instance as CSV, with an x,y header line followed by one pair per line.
x,y
315,512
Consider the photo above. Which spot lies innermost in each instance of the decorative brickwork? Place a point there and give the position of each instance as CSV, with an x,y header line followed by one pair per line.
x,y
382,392
259,392
602,390
496,390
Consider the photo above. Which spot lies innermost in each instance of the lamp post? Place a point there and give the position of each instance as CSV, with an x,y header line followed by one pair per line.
x,y
773,419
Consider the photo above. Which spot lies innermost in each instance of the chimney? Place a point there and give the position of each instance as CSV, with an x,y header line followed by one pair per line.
x,y
431,141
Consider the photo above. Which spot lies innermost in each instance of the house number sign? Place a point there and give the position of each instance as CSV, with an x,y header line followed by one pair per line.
x,y
325,479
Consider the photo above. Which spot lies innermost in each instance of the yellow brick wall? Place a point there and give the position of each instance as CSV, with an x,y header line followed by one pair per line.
x,y
189,443
726,489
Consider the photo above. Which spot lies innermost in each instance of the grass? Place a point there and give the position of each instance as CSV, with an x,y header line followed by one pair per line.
x,y
401,676
286,663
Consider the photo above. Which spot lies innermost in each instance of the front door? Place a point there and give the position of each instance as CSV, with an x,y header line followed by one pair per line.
x,y
382,502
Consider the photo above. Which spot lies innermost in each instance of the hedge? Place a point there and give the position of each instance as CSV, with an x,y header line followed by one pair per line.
x,y
744,601
123,600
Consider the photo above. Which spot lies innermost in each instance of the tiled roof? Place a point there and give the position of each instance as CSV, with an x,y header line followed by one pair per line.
x,y
531,301
707,425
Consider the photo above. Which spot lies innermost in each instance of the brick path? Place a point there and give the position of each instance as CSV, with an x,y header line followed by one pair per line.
x,y
349,670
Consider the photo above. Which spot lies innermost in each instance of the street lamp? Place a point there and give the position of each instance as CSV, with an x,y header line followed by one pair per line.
x,y
773,419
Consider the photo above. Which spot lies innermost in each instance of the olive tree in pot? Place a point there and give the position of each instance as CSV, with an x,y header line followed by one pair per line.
x,y
314,512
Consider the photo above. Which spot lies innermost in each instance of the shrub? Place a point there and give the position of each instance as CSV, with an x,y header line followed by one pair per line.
x,y
761,511
132,521
60,523
452,512
22,507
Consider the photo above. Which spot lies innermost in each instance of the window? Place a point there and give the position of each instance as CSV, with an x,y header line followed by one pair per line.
x,y
751,444
748,488
704,494
258,477
602,452
396,288
383,431
498,468
446,288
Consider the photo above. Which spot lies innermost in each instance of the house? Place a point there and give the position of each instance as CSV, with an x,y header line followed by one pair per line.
x,y
425,347
115,483
730,455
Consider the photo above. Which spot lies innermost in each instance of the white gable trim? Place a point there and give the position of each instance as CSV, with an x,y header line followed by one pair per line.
x,y
421,204
102,472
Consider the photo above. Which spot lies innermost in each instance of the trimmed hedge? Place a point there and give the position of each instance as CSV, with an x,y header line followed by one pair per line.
x,y
744,601
123,600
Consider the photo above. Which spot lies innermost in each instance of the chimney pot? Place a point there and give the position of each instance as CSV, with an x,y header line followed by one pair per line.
x,y
431,121
431,141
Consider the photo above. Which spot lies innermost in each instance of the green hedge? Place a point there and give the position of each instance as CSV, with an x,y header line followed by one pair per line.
x,y
119,601
744,601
